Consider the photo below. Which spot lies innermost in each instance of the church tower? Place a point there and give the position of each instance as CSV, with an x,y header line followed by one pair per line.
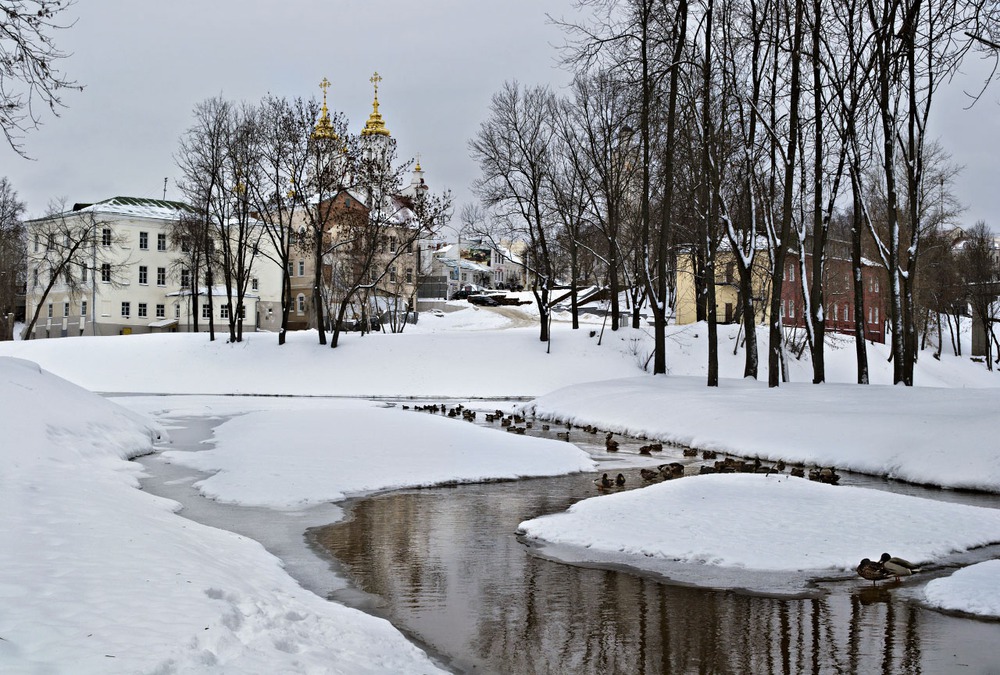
x,y
375,136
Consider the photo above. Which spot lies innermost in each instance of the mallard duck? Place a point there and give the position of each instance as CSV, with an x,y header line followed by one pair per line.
x,y
603,483
620,480
649,475
869,569
897,566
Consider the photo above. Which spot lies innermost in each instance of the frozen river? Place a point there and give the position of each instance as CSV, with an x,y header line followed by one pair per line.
x,y
446,567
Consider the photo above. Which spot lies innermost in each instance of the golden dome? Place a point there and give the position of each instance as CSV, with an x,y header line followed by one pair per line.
x,y
375,125
323,127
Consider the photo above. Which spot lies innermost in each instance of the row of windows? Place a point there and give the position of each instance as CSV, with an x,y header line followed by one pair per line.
x,y
393,276
142,307
835,313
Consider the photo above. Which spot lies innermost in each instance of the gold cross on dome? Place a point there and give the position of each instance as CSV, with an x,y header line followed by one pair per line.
x,y
324,85
375,79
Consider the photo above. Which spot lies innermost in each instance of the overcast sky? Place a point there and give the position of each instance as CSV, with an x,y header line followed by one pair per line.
x,y
145,64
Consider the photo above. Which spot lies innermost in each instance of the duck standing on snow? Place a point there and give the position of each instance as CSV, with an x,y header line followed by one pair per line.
x,y
873,571
897,566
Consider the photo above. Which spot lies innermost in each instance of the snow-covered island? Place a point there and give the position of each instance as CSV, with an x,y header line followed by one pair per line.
x,y
98,576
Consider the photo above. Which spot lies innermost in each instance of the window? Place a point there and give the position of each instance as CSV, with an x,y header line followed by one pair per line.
x,y
161,242
224,311
50,310
83,274
302,268
392,274
177,311
126,309
791,310
392,244
290,270
34,283
143,275
142,310
161,311
185,245
144,241
833,312
106,272
254,284
36,243
409,275
791,272
206,312
65,309
185,278
876,283
161,276
846,314
83,308
300,304
876,315
106,236
784,308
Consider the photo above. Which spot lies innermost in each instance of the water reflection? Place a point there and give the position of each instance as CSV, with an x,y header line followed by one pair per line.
x,y
447,568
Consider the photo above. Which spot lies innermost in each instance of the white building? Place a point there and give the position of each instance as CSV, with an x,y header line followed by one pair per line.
x,y
130,278
470,265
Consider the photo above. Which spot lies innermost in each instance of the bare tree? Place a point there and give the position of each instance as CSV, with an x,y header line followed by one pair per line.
x,y
29,78
69,250
981,266
513,150
13,256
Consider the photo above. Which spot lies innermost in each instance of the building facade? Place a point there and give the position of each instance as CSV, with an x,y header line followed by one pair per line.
x,y
125,275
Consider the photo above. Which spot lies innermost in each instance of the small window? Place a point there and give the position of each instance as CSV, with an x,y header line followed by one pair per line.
x,y
185,278
161,276
161,242
392,274
143,275
126,309
846,313
83,274
206,311
301,304
224,311
106,272
255,284
177,311
161,311
392,244
409,275
65,309
791,310
876,284
876,315
50,310
83,308
106,236
784,308
302,268
34,282
144,241
142,310
791,272
37,242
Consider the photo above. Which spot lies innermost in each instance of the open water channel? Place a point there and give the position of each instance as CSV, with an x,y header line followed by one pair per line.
x,y
446,567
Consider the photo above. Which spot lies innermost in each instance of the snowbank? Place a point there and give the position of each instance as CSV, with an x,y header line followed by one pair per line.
x,y
297,457
945,437
974,589
771,523
97,576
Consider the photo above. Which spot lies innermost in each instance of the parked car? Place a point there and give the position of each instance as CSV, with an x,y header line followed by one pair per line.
x,y
482,300
460,295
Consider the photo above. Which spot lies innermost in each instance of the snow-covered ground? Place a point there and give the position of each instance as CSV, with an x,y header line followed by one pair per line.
x,y
97,576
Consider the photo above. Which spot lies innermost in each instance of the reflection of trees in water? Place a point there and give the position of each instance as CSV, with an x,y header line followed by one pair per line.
x,y
446,565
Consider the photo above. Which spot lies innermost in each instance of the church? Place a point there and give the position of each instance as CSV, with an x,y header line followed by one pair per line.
x,y
373,252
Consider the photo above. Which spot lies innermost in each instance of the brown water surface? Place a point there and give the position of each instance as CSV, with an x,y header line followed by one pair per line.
x,y
445,566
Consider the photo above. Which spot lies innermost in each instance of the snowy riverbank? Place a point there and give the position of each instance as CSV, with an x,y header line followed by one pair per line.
x,y
97,576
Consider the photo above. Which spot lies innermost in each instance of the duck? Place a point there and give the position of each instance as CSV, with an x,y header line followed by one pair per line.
x,y
603,483
897,566
620,480
649,475
873,571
